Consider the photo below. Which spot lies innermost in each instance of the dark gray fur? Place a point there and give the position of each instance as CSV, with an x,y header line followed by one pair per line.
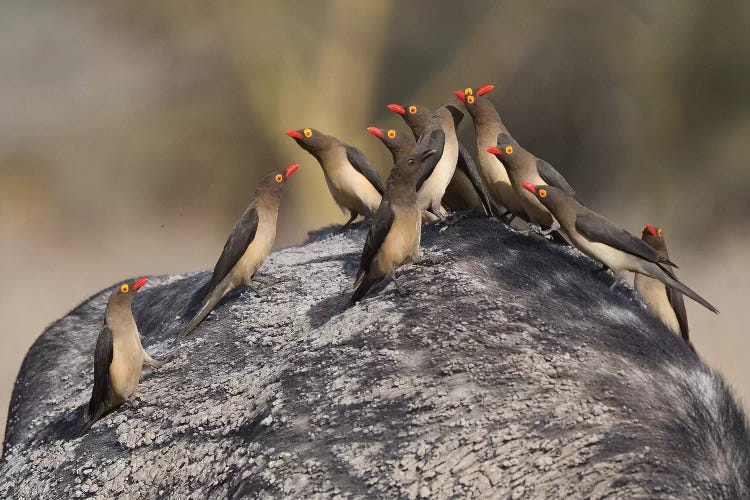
x,y
509,369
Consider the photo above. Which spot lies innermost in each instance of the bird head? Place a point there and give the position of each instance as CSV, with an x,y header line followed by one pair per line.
x,y
547,195
654,237
414,115
470,98
309,139
389,137
275,181
506,150
125,292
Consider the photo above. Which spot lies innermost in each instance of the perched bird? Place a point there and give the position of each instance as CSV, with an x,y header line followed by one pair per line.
x,y
606,242
440,135
466,190
119,356
522,167
399,144
352,181
666,303
487,126
247,246
396,230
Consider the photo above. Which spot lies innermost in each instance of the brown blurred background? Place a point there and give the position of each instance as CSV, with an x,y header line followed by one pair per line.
x,y
133,134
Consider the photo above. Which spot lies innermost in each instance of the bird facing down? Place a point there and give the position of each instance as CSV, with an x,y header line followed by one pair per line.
x,y
608,243
119,356
352,181
396,230
248,245
466,190
664,302
522,167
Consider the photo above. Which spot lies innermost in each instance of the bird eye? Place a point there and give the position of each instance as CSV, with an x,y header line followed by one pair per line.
x,y
391,134
470,99
542,192
659,232
468,91
307,132
509,150
124,288
412,110
279,177
410,162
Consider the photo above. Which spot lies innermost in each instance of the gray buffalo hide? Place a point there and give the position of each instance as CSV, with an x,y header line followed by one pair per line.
x,y
503,367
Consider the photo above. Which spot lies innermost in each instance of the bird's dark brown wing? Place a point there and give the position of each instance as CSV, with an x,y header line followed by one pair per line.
x,y
361,165
468,167
102,360
379,228
678,304
598,229
242,235
553,177
430,139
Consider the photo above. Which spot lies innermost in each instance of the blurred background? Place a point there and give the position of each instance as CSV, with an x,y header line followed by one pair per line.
x,y
133,134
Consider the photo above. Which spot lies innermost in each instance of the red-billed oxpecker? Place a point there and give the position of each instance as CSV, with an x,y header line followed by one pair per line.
x,y
608,243
352,181
396,230
119,356
248,245
666,303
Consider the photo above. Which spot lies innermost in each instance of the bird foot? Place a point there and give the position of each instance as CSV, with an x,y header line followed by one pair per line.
x,y
452,219
429,261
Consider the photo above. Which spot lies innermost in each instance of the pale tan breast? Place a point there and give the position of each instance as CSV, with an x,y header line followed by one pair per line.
x,y
258,250
401,244
350,189
612,258
654,294
127,361
494,173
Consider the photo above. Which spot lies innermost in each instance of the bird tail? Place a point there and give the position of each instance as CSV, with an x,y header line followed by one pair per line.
x,y
363,284
213,298
656,271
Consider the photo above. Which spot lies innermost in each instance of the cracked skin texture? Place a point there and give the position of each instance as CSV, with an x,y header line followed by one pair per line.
x,y
506,370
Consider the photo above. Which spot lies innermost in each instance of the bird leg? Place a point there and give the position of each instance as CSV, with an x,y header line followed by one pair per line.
x,y
421,260
506,217
452,219
601,269
148,360
354,215
398,288
257,291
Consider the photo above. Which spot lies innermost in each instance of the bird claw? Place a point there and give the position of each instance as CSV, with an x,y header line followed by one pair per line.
x,y
429,261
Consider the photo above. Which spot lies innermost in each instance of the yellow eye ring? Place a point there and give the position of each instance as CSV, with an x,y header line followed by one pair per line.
x,y
659,232
124,288
542,192
412,110
509,150
279,177
468,91
391,134
307,132
470,99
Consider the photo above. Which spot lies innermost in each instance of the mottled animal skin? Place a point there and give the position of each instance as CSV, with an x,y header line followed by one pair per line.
x,y
505,369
